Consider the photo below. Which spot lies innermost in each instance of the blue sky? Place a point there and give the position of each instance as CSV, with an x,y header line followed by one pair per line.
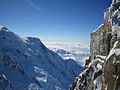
x,y
53,19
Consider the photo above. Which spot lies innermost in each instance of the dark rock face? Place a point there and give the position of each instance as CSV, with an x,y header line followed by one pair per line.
x,y
4,83
102,69
12,64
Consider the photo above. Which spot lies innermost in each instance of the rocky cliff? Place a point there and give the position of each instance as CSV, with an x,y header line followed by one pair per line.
x,y
102,69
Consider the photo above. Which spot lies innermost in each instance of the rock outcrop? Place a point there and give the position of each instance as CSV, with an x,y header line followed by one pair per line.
x,y
102,69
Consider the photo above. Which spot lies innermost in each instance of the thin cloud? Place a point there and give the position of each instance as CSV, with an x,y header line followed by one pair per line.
x,y
33,5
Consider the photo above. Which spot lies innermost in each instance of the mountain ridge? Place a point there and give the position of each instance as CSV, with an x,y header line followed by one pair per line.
x,y
26,63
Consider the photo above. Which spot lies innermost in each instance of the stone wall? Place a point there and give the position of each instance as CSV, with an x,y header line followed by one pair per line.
x,y
100,40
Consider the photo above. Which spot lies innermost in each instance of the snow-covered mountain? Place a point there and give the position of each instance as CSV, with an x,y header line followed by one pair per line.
x,y
70,50
78,57
26,64
63,53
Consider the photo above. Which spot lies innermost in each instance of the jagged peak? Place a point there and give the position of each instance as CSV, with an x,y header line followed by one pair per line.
x,y
4,31
33,38
3,28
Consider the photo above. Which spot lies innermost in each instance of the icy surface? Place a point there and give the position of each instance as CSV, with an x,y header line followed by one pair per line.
x,y
98,82
114,51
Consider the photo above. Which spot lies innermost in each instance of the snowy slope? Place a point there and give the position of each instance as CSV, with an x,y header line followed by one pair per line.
x,y
26,64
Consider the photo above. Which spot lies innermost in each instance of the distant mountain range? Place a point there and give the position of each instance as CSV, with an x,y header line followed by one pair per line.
x,y
70,50
78,57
